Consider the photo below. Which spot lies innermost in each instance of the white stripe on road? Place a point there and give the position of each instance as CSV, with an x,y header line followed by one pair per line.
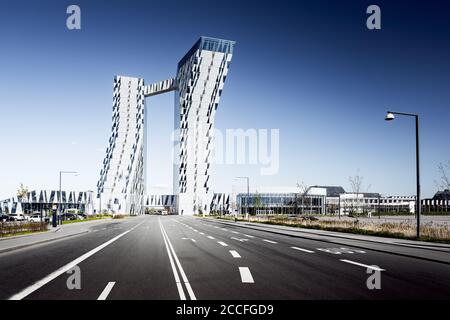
x,y
301,249
202,233
376,268
174,270
180,268
247,235
246,276
209,237
222,243
235,232
106,291
25,292
235,254
269,241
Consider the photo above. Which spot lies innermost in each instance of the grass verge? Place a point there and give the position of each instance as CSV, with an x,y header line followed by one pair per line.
x,y
400,230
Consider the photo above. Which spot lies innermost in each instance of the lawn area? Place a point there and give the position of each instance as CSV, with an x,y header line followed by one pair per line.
x,y
87,219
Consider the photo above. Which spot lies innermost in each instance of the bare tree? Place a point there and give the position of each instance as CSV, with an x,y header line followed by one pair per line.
x,y
444,182
302,191
22,192
356,184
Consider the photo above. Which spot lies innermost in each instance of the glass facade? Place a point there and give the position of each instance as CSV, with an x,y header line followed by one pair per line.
x,y
280,203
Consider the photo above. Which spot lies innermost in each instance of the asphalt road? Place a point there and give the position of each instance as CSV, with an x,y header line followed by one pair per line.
x,y
171,257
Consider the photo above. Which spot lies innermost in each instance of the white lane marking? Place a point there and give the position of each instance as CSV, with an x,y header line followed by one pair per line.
x,y
223,244
241,240
301,249
106,291
209,237
183,275
223,229
193,240
235,232
216,227
202,233
174,269
235,254
246,275
25,292
376,268
269,241
247,235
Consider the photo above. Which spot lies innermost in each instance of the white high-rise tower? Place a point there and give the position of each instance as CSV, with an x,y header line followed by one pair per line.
x,y
198,86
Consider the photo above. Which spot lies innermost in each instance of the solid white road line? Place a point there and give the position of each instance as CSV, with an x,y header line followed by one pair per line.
x,y
183,275
209,237
235,232
269,241
235,254
222,243
223,229
106,291
247,235
202,233
301,249
174,269
376,268
246,275
25,292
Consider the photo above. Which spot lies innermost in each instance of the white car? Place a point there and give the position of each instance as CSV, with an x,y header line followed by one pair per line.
x,y
17,217
35,218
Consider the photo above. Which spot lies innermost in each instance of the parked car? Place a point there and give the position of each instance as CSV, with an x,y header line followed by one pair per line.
x,y
82,216
16,217
69,216
37,218
4,217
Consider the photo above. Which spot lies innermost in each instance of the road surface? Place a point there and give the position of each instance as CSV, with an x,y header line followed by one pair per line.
x,y
173,257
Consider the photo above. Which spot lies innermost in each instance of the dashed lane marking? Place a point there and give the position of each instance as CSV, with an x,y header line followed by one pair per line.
x,y
246,275
301,249
235,254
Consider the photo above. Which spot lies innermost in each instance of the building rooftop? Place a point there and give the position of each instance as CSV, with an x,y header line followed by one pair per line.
x,y
209,44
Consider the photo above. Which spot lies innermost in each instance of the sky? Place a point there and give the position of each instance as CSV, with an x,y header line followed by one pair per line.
x,y
310,69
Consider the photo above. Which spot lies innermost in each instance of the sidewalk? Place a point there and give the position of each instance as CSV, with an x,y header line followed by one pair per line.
x,y
60,232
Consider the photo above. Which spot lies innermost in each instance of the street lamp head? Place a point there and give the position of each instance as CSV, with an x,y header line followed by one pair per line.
x,y
389,116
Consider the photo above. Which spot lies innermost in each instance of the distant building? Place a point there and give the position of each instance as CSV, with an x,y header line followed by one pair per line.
x,y
442,195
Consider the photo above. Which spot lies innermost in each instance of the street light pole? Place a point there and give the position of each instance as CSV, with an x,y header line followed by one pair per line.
x,y
247,212
390,116
60,195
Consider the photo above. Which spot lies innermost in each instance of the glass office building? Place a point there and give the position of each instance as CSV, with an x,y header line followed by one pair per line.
x,y
280,203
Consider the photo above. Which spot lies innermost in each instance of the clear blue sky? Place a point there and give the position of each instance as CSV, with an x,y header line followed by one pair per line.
x,y
308,68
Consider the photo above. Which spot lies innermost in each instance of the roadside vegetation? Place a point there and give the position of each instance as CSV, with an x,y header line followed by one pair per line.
x,y
89,218
20,228
403,230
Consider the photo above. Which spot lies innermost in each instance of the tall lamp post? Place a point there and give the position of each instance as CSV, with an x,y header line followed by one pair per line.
x,y
60,194
248,195
389,117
